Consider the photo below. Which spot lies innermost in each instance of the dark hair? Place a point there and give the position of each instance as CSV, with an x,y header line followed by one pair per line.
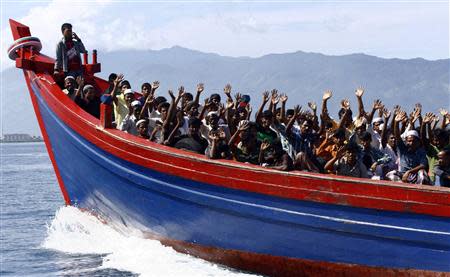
x,y
278,110
159,100
194,121
342,112
112,77
65,26
365,136
339,133
188,96
125,82
352,147
146,85
290,112
214,95
267,114
163,105
441,134
190,105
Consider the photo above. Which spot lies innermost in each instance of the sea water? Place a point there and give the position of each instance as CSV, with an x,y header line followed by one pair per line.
x,y
42,237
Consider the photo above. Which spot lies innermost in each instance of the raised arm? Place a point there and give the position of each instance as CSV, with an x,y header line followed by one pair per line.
x,y
426,122
244,125
200,89
116,87
173,107
359,94
398,118
273,100
227,91
326,95
291,122
261,108
283,99
384,132
377,105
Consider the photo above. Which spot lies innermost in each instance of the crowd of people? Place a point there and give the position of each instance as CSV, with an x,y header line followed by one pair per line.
x,y
377,143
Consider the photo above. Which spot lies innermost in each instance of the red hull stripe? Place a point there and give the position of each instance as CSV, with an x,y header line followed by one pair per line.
x,y
46,139
286,267
294,185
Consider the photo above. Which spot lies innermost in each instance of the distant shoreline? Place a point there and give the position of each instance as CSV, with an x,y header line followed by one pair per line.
x,y
14,138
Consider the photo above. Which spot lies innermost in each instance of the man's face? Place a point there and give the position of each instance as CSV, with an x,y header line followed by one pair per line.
x,y
443,160
392,141
90,94
376,126
351,157
193,111
137,111
213,120
412,143
266,122
67,33
439,142
143,129
129,97
124,87
145,91
163,112
359,130
365,144
305,128
69,84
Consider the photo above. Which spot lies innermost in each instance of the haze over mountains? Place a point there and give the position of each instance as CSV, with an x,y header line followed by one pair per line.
x,y
303,76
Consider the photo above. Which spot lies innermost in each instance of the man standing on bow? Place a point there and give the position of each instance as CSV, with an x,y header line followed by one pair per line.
x,y
68,53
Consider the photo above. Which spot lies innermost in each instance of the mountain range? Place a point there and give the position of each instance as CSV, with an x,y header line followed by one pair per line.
x,y
302,76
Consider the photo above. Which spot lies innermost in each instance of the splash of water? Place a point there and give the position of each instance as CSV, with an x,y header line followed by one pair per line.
x,y
76,232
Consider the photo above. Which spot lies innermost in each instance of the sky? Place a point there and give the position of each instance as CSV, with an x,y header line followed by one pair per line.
x,y
388,29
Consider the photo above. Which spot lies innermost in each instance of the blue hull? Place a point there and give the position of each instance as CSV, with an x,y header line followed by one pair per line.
x,y
185,210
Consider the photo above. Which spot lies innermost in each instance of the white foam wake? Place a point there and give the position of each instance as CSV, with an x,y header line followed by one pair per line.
x,y
76,232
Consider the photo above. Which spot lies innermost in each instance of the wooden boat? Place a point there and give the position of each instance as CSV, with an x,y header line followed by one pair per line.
x,y
243,216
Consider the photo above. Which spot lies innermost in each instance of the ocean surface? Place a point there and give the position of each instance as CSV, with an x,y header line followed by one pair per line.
x,y
42,237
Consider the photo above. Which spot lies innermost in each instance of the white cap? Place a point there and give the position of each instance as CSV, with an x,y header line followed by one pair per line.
x,y
378,120
140,121
136,103
86,87
412,133
128,91
69,77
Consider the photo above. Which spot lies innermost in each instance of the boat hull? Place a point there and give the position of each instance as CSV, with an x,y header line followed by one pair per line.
x,y
244,229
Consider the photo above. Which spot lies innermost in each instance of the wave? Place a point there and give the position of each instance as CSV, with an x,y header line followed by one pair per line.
x,y
76,232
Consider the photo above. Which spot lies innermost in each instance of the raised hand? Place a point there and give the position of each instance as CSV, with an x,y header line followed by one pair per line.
x,y
170,92
227,90
397,109
265,96
118,79
243,125
283,98
155,85
200,88
400,116
359,92
274,93
428,118
386,114
238,97
297,110
248,108
327,95
377,104
345,103
207,103
180,91
313,106
443,112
